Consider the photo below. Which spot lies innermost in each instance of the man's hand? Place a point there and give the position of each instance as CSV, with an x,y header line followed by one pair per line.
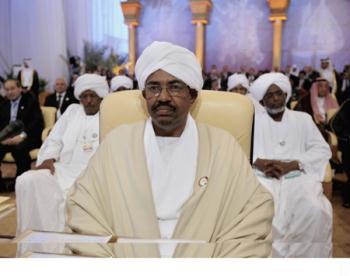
x,y
13,141
48,165
288,166
276,168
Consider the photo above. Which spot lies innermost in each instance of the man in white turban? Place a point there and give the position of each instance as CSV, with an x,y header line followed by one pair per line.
x,y
121,83
171,178
290,158
41,193
239,83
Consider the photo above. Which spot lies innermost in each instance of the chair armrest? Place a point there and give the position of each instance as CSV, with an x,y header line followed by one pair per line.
x,y
45,133
328,174
333,140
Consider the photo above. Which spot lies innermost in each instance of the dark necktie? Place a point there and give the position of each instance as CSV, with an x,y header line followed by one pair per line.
x,y
59,101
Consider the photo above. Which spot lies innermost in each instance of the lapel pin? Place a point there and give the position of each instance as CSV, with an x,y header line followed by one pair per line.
x,y
203,181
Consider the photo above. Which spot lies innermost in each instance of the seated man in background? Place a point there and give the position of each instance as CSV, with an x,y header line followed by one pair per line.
x,y
239,83
290,157
23,107
171,178
41,193
321,100
121,83
61,98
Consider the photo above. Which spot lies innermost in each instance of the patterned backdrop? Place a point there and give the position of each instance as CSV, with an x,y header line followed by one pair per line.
x,y
240,33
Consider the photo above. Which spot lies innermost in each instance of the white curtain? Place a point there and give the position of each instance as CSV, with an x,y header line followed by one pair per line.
x,y
108,26
5,37
45,29
95,21
78,24
38,32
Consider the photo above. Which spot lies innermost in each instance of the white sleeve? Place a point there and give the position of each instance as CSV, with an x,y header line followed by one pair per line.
x,y
317,151
52,146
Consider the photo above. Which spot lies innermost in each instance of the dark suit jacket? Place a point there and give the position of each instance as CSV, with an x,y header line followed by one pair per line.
x,y
342,96
224,80
340,124
30,114
67,100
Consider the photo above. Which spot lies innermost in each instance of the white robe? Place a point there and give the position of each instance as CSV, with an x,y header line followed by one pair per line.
x,y
172,163
302,225
27,77
41,196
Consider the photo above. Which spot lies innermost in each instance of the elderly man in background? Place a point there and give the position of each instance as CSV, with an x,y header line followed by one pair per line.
x,y
61,98
121,83
41,193
171,178
290,158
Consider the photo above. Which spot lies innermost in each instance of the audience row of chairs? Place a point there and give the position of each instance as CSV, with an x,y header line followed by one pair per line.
x,y
230,111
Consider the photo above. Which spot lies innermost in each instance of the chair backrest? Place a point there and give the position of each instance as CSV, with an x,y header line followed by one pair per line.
x,y
49,114
229,111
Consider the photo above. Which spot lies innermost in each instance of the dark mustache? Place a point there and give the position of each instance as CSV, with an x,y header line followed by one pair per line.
x,y
154,108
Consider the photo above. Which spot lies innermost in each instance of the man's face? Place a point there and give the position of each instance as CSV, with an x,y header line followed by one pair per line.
x,y
168,102
13,91
60,86
323,88
239,89
90,101
324,64
274,98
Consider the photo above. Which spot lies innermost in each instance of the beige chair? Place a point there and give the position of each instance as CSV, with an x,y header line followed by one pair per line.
x,y
230,111
49,114
293,104
333,142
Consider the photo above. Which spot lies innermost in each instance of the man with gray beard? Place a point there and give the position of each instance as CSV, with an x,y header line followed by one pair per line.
x,y
290,159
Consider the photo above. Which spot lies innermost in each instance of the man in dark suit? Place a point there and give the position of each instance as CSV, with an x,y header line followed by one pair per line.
x,y
225,74
62,97
340,125
343,90
24,107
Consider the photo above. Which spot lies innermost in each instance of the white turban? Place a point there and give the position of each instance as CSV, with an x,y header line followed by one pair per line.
x,y
173,59
237,79
92,82
259,87
121,81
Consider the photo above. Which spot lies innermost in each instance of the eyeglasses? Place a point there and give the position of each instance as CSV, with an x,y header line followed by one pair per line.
x,y
176,89
278,93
